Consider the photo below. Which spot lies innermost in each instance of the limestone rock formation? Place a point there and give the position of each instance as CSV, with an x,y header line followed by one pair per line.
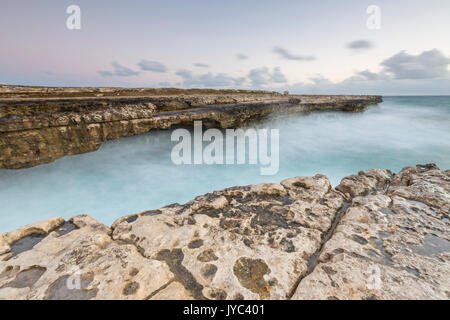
x,y
39,125
393,241
378,235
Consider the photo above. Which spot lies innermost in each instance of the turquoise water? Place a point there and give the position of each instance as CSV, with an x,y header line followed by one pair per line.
x,y
135,174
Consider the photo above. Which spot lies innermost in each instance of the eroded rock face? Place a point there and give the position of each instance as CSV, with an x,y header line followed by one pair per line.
x,y
84,263
248,242
392,243
378,236
39,125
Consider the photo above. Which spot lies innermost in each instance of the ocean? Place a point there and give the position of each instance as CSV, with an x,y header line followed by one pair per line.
x,y
134,174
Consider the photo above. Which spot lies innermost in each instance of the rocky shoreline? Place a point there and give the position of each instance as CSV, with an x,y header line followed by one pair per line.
x,y
39,125
377,235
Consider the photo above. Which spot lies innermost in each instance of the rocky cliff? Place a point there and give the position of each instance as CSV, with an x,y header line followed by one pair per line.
x,y
378,235
39,125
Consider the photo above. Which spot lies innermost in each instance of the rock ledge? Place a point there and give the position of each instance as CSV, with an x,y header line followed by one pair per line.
x,y
39,124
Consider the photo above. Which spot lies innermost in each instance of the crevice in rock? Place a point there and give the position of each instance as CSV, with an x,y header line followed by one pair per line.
x,y
313,260
164,286
139,249
174,261
386,189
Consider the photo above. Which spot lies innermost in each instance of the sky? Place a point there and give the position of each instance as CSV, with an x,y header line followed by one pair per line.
x,y
311,47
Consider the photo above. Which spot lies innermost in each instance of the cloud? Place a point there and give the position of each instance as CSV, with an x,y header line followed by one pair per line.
x,y
431,64
283,53
380,87
208,79
164,84
320,80
118,70
277,76
402,73
360,45
239,81
262,76
258,78
368,75
427,65
153,66
241,56
201,65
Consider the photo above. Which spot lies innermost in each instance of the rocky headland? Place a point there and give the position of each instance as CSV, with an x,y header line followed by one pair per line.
x,y
41,124
377,235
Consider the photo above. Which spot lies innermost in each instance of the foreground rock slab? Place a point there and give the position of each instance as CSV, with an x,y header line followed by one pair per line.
x,y
39,125
393,241
378,235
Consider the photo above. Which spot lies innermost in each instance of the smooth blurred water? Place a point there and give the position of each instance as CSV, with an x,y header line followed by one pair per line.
x,y
134,174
